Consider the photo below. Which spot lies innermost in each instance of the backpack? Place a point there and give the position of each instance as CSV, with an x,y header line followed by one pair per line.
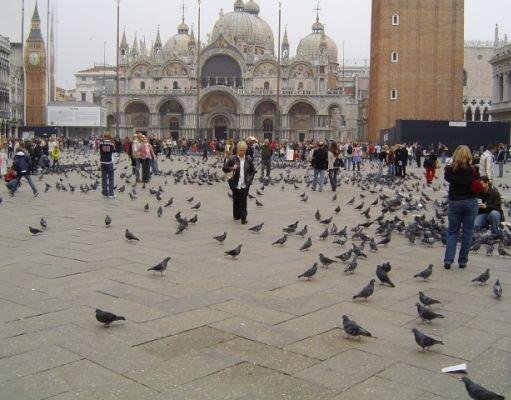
x,y
350,149
428,162
21,164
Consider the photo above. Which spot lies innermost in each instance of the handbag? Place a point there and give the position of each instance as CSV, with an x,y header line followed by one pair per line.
x,y
338,163
475,187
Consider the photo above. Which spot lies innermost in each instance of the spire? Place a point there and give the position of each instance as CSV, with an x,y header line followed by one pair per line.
x,y
157,42
496,42
143,47
285,40
35,16
192,38
35,26
318,27
134,48
124,42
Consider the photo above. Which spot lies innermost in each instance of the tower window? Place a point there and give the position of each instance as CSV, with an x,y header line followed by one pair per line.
x,y
175,85
142,85
393,94
465,78
395,20
394,57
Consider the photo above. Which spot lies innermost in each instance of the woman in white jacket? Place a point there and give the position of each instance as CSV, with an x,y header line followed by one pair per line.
x,y
486,162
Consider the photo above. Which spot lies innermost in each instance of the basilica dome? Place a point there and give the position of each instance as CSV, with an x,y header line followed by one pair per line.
x,y
244,26
178,44
310,46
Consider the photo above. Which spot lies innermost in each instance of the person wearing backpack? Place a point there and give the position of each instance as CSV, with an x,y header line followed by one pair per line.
x,y
21,164
430,165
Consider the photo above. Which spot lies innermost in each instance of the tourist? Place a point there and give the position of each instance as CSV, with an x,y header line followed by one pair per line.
x,y
357,157
55,156
382,159
391,158
501,159
204,150
334,162
266,154
486,162
21,165
135,159
490,208
462,205
145,155
106,151
348,153
242,172
430,165
319,162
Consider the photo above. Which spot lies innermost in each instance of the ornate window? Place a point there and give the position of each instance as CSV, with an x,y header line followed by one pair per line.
x,y
468,114
300,86
486,115
477,114
395,19
266,85
175,85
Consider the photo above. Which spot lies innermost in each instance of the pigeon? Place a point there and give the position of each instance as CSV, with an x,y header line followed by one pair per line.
x,y
305,199
307,244
366,291
234,252
196,206
352,265
257,228
221,237
337,209
483,278
302,232
324,234
146,207
130,236
34,231
423,340
317,215
169,203
502,252
425,314
281,240
425,274
427,301
326,221
162,266
325,261
489,249
477,392
258,203
43,223
108,221
497,289
159,212
310,272
194,219
106,317
352,329
190,199
182,226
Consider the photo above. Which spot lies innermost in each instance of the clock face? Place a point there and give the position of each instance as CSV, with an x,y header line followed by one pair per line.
x,y
33,58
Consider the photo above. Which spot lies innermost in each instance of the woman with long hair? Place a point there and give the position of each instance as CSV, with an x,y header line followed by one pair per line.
x,y
462,205
333,169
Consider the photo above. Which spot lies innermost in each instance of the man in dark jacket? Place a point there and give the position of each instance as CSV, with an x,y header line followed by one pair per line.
x,y
490,208
320,164
106,151
266,153
21,164
242,172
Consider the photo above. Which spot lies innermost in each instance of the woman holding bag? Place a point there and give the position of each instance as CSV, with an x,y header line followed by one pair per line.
x,y
462,205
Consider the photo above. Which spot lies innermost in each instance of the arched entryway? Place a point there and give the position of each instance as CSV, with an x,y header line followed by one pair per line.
x,y
219,125
302,116
219,115
171,118
137,116
468,114
265,117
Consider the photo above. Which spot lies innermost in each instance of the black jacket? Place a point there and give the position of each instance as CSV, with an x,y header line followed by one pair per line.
x,y
493,202
320,158
266,152
459,182
249,171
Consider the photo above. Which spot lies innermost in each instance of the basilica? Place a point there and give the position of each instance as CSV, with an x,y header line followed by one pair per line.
x,y
238,80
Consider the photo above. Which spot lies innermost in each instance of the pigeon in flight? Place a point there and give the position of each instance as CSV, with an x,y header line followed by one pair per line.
x,y
107,318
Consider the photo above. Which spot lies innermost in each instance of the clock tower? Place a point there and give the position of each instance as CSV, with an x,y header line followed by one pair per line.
x,y
35,69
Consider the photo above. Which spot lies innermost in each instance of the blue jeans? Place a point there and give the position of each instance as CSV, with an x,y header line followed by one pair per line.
x,y
137,168
492,219
332,176
461,215
107,179
14,184
154,165
501,169
391,170
348,163
318,174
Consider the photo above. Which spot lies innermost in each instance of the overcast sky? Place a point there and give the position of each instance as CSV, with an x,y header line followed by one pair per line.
x,y
84,25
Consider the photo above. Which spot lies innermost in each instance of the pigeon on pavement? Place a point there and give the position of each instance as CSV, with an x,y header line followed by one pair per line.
x,y
281,240
425,274
483,278
162,266
43,223
352,329
423,340
307,244
106,317
34,231
130,236
382,275
425,314
108,221
366,291
234,252
325,261
310,272
477,392
221,237
497,289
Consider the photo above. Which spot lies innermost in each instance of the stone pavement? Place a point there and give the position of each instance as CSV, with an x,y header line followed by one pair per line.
x,y
216,328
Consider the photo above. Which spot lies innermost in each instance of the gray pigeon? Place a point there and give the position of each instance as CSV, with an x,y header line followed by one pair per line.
x,y
324,235
427,301
306,245
281,240
303,232
325,261
34,231
366,291
477,392
220,238
159,212
196,206
497,289
425,274
352,265
106,317
310,272
381,273
425,314
257,228
483,278
352,329
234,252
43,223
130,236
423,340
108,221
162,266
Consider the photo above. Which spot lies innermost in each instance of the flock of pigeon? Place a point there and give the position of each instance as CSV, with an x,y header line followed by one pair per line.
x,y
402,207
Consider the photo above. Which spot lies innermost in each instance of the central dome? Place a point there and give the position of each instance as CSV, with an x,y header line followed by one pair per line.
x,y
244,26
178,44
310,46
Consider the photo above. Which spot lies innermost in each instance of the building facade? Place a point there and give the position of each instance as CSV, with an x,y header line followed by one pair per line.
x,y
92,83
416,62
501,65
239,79
17,89
5,84
35,70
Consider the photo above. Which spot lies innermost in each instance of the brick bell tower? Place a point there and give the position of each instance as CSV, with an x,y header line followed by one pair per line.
x,y
416,62
35,67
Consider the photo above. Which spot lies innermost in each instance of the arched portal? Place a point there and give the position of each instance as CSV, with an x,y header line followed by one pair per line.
x,y
486,115
302,116
477,114
171,117
265,118
468,114
220,127
137,115
216,104
221,70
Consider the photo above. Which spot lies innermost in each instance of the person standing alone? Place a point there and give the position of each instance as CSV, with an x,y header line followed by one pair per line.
x,y
106,151
320,164
266,153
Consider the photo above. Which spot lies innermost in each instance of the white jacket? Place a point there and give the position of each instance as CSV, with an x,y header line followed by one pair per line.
x,y
486,164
